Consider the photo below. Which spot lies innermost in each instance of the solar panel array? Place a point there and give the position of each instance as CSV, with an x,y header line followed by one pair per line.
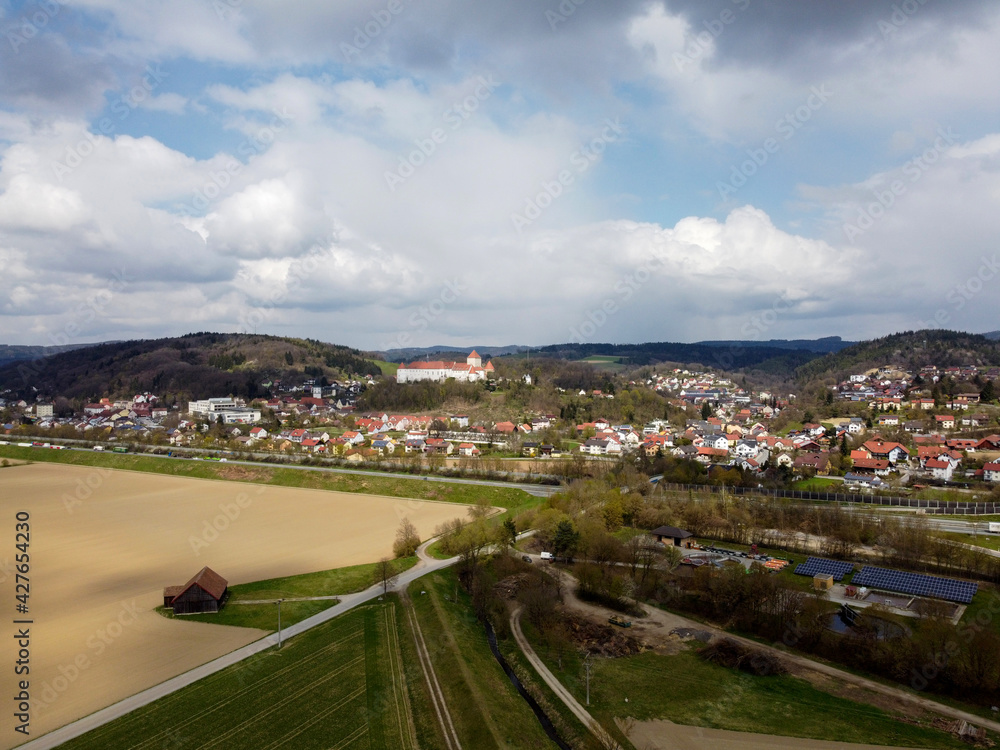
x,y
948,589
815,565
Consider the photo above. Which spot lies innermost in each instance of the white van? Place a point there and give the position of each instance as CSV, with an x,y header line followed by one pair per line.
x,y
546,555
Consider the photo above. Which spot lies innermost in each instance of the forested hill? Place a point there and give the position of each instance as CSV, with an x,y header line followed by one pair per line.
x,y
9,353
736,355
198,365
909,350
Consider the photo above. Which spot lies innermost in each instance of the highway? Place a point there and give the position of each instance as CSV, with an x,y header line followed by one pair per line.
x,y
537,490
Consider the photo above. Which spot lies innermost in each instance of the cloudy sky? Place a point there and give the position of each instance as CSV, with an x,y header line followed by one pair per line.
x,y
386,173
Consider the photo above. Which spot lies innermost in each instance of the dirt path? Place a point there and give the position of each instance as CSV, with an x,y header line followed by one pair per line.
x,y
657,624
427,666
553,682
665,735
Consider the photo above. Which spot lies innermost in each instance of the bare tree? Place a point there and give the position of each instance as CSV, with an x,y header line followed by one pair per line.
x,y
385,573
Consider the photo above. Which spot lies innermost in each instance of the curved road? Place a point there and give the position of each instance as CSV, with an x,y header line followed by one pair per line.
x,y
425,565
659,618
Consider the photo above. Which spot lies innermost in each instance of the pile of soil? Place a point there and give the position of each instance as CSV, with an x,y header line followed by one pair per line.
x,y
601,640
509,586
735,655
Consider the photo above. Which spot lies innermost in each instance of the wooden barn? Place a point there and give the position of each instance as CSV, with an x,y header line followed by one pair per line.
x,y
671,536
203,593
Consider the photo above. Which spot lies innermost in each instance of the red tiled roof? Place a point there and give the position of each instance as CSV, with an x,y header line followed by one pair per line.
x,y
207,579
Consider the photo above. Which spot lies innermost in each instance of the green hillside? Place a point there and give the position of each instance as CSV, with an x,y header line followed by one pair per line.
x,y
198,365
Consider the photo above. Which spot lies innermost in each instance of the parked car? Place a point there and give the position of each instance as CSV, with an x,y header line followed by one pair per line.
x,y
526,558
620,621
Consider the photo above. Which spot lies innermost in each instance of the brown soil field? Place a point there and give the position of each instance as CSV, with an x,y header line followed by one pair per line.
x,y
665,735
104,543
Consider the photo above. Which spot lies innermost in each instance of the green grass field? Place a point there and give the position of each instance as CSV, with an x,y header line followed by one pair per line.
x,y
265,615
388,368
685,689
373,483
604,362
983,539
818,484
324,583
487,711
339,686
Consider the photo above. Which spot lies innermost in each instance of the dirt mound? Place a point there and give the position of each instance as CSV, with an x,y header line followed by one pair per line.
x,y
686,634
735,655
601,640
508,587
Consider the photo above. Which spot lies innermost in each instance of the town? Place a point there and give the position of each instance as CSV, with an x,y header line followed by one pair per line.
x,y
876,430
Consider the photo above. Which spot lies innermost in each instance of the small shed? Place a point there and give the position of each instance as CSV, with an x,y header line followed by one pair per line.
x,y
206,592
822,581
671,536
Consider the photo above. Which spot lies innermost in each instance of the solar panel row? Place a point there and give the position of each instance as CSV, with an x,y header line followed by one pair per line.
x,y
814,565
917,584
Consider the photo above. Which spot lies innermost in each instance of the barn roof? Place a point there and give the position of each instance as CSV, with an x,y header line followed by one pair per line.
x,y
671,531
172,591
207,579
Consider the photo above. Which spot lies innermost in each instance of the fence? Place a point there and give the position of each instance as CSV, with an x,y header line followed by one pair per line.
x,y
894,501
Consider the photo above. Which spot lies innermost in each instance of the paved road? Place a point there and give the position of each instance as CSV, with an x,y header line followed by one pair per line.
x,y
538,490
53,739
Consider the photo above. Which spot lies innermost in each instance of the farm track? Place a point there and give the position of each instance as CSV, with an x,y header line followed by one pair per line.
x,y
433,686
404,716
207,674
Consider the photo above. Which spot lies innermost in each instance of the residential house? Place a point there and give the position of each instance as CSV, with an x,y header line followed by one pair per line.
x,y
890,451
875,466
991,471
939,469
818,462
945,421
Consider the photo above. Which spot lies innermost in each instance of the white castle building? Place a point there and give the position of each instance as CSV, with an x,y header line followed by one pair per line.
x,y
471,371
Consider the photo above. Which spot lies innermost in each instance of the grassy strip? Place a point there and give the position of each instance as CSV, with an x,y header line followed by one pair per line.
x,y
485,707
314,689
265,616
687,690
511,498
324,583
570,728
817,484
262,616
983,539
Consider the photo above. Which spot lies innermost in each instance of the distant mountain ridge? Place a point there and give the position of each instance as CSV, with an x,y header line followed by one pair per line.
x,y
823,346
738,355
422,352
12,353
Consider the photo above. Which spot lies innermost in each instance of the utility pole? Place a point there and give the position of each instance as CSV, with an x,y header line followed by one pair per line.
x,y
586,665
279,622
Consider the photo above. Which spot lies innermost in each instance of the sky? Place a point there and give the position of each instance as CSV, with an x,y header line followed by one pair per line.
x,y
395,173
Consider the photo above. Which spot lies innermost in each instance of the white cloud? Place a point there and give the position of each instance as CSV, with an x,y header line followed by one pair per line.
x,y
28,204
